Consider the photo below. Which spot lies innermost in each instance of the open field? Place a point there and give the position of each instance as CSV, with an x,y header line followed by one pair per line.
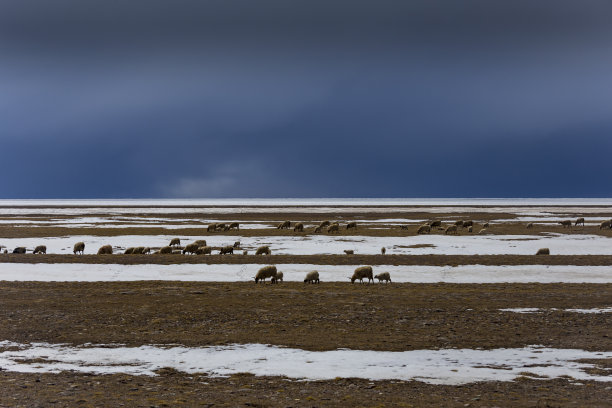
x,y
472,294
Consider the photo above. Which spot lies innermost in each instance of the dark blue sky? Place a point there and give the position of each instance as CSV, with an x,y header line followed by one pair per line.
x,y
101,99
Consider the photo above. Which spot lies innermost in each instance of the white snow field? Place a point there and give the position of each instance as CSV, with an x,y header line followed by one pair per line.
x,y
540,310
70,272
559,244
446,366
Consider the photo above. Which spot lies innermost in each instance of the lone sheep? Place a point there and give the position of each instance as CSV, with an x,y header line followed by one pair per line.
x,y
362,272
263,250
424,229
175,242
79,247
384,276
383,250
265,272
228,249
312,277
543,251
299,227
19,250
105,250
566,224
352,224
349,251
41,249
579,221
451,229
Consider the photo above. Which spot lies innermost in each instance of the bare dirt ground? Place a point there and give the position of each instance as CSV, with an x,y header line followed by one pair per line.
x,y
313,317
328,316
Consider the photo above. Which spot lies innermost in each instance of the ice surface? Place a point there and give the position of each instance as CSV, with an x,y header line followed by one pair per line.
x,y
446,366
297,272
539,310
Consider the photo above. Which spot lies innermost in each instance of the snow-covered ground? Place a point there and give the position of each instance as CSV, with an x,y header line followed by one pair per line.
x,y
297,272
559,244
446,366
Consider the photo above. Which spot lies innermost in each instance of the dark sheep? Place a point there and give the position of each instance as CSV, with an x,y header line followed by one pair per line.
x,y
451,229
436,223
383,250
349,251
299,227
191,248
284,225
175,242
530,225
165,250
352,224
424,229
237,244
566,224
325,223
543,251
41,249
468,223
459,223
263,250
333,228
605,224
579,221
79,247
105,250
486,225
228,249
201,242
204,250
19,250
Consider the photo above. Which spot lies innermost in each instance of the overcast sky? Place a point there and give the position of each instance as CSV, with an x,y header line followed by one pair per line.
x,y
105,99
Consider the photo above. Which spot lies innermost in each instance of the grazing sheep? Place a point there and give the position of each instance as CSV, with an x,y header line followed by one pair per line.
x,y
237,244
383,250
165,250
436,223
312,277
263,250
205,250
201,242
352,224
138,250
105,250
605,224
221,227
486,225
211,228
333,228
191,248
424,229
318,230
298,227
41,249
278,277
147,250
459,223
349,251
470,229
403,227
19,250
362,272
468,223
543,251
228,249
130,251
245,252
233,225
566,224
451,229
175,242
579,221
284,225
265,272
530,225
325,223
385,276
79,247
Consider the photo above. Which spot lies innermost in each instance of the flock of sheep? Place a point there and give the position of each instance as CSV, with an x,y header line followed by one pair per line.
x,y
361,273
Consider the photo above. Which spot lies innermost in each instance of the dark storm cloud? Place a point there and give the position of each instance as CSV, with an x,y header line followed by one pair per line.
x,y
283,98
